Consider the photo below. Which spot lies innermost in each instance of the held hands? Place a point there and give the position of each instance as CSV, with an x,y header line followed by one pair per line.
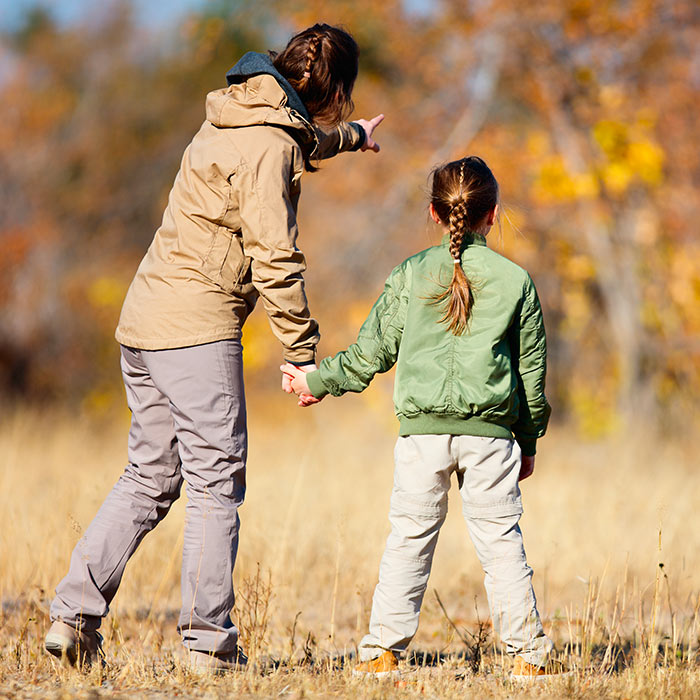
x,y
294,380
369,126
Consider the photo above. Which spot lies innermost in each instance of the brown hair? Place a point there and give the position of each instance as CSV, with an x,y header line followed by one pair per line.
x,y
463,193
321,65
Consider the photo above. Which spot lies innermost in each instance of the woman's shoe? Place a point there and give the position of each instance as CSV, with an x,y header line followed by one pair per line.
x,y
78,648
209,662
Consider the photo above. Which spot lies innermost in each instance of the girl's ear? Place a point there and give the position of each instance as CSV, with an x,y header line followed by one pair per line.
x,y
491,216
434,215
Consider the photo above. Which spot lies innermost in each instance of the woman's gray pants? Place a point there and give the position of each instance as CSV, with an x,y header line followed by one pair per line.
x,y
487,472
188,424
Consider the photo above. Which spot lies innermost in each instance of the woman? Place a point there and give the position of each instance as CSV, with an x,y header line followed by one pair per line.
x,y
228,236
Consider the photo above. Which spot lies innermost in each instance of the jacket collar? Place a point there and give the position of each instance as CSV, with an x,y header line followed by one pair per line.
x,y
253,63
470,238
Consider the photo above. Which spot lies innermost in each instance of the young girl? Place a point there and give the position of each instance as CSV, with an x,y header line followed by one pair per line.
x,y
228,236
464,326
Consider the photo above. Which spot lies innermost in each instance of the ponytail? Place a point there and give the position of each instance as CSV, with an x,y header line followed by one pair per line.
x,y
463,193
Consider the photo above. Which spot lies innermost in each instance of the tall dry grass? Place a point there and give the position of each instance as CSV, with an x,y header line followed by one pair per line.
x,y
599,521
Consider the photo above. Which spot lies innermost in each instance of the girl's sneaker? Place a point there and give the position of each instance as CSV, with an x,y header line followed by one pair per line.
x,y
384,666
78,648
523,671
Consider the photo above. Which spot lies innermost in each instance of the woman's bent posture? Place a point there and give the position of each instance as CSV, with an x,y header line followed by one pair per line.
x,y
228,236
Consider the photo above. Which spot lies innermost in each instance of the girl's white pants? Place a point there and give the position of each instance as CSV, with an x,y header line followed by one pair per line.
x,y
487,472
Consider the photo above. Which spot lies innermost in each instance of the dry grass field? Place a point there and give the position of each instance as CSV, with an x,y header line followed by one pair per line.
x,y
612,531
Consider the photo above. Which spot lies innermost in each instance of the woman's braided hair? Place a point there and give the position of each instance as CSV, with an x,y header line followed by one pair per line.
x,y
311,54
463,193
321,64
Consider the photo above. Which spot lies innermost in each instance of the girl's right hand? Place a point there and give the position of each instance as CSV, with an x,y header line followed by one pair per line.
x,y
527,466
296,380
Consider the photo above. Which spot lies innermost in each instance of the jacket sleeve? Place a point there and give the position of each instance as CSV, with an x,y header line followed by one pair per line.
x,y
529,356
269,232
376,348
347,136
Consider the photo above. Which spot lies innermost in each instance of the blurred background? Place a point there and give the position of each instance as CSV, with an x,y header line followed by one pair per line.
x,y
586,112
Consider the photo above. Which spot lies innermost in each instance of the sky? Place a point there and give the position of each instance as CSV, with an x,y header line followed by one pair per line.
x,y
151,13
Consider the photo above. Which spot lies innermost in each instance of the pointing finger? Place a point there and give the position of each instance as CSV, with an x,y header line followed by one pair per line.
x,y
377,120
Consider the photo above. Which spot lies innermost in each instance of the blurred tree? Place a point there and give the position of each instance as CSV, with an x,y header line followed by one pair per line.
x,y
585,111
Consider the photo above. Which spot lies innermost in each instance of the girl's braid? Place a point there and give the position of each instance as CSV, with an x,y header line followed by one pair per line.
x,y
311,54
461,205
457,221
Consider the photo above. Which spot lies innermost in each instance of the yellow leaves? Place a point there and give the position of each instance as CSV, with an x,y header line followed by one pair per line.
x,y
106,293
101,401
629,154
257,343
576,302
555,184
577,308
684,286
617,176
579,268
592,405
611,136
537,144
357,313
646,159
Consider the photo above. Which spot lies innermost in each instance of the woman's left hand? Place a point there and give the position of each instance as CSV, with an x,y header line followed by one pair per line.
x,y
369,126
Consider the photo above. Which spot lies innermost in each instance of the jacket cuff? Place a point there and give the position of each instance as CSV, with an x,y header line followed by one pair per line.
x,y
301,357
361,136
316,385
528,446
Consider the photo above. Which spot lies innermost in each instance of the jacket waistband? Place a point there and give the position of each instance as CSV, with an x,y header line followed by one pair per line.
x,y
451,424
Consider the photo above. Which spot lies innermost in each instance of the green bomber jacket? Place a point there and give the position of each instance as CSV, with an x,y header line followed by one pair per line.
x,y
488,381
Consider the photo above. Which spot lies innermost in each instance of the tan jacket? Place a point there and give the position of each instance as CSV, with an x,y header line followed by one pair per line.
x,y
229,231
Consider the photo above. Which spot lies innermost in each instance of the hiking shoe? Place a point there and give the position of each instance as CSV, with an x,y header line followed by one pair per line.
x,y
523,671
210,662
78,648
384,666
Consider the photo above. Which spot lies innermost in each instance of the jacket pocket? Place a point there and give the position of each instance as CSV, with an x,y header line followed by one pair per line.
x,y
225,263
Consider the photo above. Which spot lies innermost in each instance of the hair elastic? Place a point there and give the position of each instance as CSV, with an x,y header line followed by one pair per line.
x,y
307,74
456,261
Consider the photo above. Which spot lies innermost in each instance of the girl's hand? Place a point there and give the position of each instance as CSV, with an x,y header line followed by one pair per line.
x,y
527,467
296,379
369,126
287,377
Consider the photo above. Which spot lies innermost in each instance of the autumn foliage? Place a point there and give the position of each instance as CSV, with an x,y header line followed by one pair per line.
x,y
586,113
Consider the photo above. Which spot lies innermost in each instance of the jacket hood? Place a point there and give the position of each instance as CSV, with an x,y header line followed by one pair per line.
x,y
258,101
252,64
